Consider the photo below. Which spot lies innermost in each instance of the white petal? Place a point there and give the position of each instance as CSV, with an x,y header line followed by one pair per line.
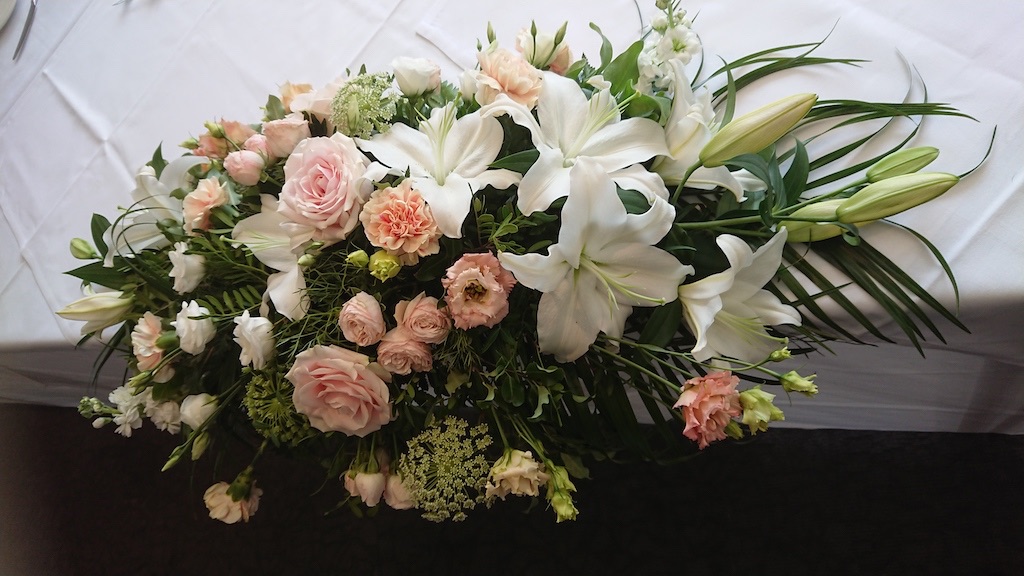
x,y
624,143
561,109
546,181
761,266
472,144
771,311
449,203
651,275
287,290
636,177
402,148
541,272
564,327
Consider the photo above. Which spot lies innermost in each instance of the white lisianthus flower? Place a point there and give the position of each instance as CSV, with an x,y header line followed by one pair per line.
x,y
516,472
416,76
197,409
187,269
193,332
254,335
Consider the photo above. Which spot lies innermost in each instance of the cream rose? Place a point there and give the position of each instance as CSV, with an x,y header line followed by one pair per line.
x,y
245,167
542,51
476,290
289,91
505,72
398,220
325,187
423,319
397,494
368,487
285,134
399,352
199,203
339,390
416,76
361,320
197,409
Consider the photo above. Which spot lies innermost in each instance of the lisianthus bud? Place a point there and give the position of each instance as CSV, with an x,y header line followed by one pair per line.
x,y
793,382
758,409
384,266
82,250
903,162
358,258
306,260
894,195
756,130
98,311
780,355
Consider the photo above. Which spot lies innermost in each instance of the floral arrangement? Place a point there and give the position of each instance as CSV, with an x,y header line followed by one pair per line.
x,y
451,294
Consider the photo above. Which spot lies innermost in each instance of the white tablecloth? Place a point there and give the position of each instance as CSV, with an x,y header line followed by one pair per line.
x,y
101,83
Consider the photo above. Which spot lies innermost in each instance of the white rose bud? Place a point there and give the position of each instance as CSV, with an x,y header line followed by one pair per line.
x,y
416,76
197,409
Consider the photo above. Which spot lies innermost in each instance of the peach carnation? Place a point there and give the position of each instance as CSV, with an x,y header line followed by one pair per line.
x,y
199,203
476,290
398,220
505,72
709,403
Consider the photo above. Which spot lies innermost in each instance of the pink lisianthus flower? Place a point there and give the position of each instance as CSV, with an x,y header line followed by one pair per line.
x,y
398,220
399,352
476,290
708,404
340,390
422,318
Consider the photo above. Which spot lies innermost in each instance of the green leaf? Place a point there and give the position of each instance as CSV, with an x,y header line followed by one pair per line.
x,y
543,398
663,324
519,162
795,180
274,108
623,72
99,225
97,273
574,466
157,162
606,47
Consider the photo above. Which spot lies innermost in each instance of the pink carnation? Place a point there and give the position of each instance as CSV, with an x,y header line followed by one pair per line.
x,y
476,290
709,403
400,353
399,221
147,354
424,321
199,203
338,389
361,320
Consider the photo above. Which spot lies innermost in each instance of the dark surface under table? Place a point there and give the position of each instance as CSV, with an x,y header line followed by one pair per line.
x,y
74,500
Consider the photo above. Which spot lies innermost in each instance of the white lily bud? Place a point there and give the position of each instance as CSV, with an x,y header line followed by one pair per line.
x,y
894,195
903,162
98,311
755,131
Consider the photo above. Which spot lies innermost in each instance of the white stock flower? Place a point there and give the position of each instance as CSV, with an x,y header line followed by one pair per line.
x,y
254,335
447,160
187,269
193,331
727,312
197,409
163,415
604,263
129,406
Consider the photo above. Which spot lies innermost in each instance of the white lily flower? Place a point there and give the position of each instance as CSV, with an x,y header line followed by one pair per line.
x,y
690,126
153,202
727,312
446,160
569,127
603,264
266,235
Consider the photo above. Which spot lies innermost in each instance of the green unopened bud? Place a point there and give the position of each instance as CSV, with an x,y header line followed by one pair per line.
x,y
358,258
733,430
793,382
82,250
780,355
384,266
306,260
758,409
215,129
894,195
903,162
199,445
190,144
815,227
168,340
563,506
756,130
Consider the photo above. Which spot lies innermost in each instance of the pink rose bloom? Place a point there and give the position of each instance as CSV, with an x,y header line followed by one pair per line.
x,y
361,320
399,221
505,72
397,494
325,187
285,134
423,319
211,146
708,404
147,354
198,204
339,390
236,133
401,353
245,167
368,487
476,290
257,143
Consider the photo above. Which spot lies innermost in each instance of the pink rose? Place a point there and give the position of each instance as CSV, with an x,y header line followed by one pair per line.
x,y
236,133
368,487
285,134
399,221
709,403
257,143
476,290
401,353
423,319
198,204
324,186
505,72
211,146
361,320
245,167
339,390
397,494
